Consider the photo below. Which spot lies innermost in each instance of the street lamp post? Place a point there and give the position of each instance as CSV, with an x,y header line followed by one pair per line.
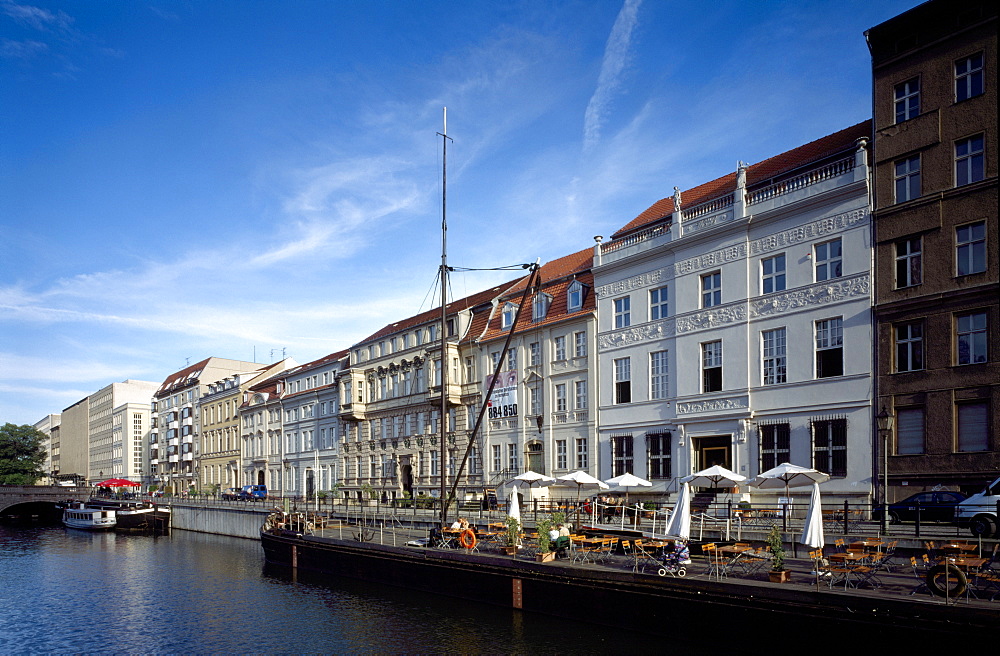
x,y
884,422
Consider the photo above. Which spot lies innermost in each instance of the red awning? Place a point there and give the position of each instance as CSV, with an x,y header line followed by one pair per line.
x,y
117,482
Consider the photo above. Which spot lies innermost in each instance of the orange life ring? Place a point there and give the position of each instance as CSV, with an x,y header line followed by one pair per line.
x,y
467,539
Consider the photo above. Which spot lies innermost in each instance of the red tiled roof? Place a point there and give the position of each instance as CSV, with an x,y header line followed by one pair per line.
x,y
178,379
555,277
434,313
757,174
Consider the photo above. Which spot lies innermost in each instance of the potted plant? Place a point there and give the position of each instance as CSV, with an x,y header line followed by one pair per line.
x,y
778,573
545,553
513,536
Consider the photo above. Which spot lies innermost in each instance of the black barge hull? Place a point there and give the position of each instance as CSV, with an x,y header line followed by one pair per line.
x,y
634,602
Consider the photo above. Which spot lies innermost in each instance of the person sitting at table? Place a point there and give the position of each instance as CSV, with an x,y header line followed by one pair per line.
x,y
456,525
560,541
464,523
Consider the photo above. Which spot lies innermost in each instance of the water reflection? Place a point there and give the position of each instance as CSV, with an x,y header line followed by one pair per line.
x,y
74,591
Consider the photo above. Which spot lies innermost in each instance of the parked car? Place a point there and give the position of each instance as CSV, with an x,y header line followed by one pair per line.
x,y
231,494
253,493
936,506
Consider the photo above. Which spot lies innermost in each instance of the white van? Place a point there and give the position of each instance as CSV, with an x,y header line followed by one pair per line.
x,y
979,512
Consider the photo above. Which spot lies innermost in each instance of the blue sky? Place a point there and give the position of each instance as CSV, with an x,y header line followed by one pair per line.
x,y
233,178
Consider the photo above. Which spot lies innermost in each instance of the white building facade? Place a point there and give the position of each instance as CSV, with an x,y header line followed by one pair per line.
x,y
543,414
735,326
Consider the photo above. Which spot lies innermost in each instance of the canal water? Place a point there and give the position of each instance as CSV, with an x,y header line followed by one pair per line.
x,y
69,591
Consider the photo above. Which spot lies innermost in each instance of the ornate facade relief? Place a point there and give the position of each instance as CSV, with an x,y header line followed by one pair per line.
x,y
635,282
636,334
809,231
711,318
696,407
830,291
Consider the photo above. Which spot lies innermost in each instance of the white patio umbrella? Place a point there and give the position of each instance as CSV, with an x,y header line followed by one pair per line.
x,y
514,509
531,478
680,519
628,480
581,479
788,475
812,534
714,476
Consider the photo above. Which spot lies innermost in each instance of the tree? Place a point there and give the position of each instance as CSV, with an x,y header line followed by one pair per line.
x,y
21,454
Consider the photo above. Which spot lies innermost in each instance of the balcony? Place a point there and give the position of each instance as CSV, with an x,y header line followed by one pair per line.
x,y
352,411
454,395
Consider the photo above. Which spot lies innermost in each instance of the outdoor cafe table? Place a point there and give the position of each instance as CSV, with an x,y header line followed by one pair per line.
x,y
867,543
966,564
848,556
957,547
586,547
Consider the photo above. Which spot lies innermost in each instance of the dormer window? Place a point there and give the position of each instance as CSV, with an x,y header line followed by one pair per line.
x,y
574,296
507,317
540,308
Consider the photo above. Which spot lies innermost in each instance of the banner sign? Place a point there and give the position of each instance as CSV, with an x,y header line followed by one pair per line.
x,y
503,401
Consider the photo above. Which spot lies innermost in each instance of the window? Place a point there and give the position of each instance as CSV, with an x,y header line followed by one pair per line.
x,y
534,353
470,371
971,337
775,445
658,375
711,289
973,426
560,347
621,454
434,463
907,100
909,431
497,458
623,313
574,296
535,401
582,453
830,348
909,266
907,177
623,380
561,454
772,274
495,357
830,446
507,317
580,344
828,260
969,77
658,304
773,365
581,395
512,457
910,346
512,360
711,366
658,449
970,244
968,160
540,308
561,397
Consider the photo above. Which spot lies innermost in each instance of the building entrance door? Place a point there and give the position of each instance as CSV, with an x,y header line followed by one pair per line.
x,y
714,450
406,476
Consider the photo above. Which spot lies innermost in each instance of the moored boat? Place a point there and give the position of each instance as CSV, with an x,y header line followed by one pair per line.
x,y
82,516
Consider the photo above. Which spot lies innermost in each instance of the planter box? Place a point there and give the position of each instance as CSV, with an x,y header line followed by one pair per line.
x,y
510,551
784,576
545,557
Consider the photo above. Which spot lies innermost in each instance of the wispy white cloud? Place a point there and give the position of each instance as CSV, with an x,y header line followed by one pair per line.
x,y
617,54
21,49
36,17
